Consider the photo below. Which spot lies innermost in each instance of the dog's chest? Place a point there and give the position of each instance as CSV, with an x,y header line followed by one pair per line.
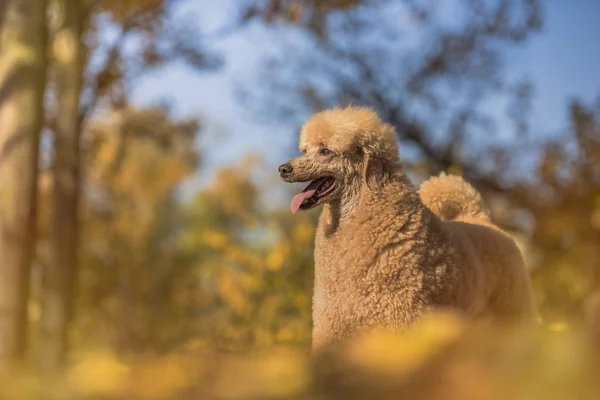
x,y
345,294
368,274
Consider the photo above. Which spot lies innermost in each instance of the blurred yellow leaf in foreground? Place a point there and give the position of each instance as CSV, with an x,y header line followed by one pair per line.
x,y
98,373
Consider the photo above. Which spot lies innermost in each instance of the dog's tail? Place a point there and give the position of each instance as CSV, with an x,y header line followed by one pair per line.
x,y
453,199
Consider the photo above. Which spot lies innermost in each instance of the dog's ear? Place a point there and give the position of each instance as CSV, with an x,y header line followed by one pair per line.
x,y
373,171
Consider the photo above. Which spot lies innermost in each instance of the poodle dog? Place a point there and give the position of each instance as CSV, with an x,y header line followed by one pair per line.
x,y
385,252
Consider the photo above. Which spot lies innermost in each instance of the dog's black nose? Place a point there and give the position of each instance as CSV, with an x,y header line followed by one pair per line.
x,y
285,170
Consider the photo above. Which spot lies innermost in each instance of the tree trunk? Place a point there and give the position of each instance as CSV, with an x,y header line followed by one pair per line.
x,y
59,277
22,84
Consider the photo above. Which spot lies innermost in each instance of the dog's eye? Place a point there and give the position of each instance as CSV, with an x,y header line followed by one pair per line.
x,y
325,151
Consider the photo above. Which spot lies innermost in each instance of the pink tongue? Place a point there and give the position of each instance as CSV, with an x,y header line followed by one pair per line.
x,y
299,198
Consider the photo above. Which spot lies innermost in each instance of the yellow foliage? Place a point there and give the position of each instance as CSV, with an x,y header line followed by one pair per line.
x,y
214,239
234,190
442,358
98,373
276,258
558,326
232,292
276,375
158,379
304,231
387,351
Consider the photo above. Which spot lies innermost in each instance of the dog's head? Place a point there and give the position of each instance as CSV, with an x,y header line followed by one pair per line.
x,y
344,150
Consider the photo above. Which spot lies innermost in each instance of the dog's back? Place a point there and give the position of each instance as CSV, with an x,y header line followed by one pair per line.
x,y
466,216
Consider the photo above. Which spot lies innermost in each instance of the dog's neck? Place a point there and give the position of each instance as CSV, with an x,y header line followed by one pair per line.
x,y
392,203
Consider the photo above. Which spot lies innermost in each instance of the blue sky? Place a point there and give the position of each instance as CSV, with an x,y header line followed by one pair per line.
x,y
562,61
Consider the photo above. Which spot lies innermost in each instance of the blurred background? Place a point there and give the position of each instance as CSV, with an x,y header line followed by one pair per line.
x,y
140,206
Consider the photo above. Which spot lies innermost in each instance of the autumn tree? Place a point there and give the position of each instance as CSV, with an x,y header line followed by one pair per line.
x,y
133,163
22,80
158,271
59,276
88,73
253,265
430,69
564,203
425,67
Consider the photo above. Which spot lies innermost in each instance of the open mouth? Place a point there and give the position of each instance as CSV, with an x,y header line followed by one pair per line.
x,y
315,191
